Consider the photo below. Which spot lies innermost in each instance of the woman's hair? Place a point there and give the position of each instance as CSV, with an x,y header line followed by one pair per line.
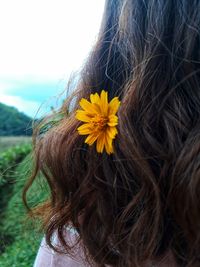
x,y
144,199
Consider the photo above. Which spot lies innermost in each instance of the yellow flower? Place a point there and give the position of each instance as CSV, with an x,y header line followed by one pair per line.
x,y
100,120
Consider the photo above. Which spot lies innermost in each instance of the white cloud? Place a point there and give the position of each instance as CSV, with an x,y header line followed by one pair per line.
x,y
42,42
45,39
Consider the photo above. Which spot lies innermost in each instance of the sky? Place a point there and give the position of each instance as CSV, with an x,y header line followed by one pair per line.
x,y
42,43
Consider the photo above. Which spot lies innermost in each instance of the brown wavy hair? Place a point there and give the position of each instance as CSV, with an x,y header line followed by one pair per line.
x,y
144,199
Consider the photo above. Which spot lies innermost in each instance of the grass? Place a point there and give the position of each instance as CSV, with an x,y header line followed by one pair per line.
x,y
20,237
9,141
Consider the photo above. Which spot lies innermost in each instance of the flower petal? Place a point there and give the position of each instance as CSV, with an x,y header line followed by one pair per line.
x,y
113,106
82,115
91,139
84,129
111,132
89,107
104,102
94,98
112,120
100,143
108,145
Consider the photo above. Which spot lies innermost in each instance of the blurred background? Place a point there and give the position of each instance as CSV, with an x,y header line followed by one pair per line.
x,y
42,44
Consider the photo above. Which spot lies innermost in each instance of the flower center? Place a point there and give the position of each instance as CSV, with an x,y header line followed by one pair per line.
x,y
99,122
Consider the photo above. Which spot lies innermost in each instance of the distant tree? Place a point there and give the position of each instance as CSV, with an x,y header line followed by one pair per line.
x,y
13,122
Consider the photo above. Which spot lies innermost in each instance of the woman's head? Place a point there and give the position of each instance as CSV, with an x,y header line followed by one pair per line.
x,y
144,199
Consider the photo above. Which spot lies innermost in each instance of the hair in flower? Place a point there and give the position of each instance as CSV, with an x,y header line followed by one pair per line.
x,y
99,121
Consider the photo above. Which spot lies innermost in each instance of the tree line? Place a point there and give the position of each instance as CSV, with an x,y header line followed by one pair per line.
x,y
13,122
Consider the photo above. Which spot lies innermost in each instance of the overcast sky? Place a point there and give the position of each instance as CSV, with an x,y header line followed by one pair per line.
x,y
42,42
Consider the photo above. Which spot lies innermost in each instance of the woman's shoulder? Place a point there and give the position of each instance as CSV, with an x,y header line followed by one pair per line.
x,y
46,257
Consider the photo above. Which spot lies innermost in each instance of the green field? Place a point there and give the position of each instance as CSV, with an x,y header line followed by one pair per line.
x,y
19,237
9,141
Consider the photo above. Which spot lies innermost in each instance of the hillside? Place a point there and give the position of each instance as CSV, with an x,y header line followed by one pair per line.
x,y
13,122
19,236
